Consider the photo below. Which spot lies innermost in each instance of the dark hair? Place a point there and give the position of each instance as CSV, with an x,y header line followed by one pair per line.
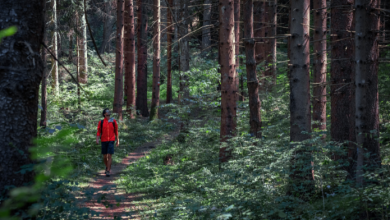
x,y
104,111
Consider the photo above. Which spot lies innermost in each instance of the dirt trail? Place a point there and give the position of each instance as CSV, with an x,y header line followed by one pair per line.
x,y
109,201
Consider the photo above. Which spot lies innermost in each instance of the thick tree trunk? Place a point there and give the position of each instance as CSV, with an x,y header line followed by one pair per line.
x,y
237,39
228,75
300,114
259,33
142,86
42,122
184,50
367,21
83,47
320,64
271,46
118,97
54,63
156,60
108,22
342,74
169,51
129,42
253,82
21,71
206,31
78,73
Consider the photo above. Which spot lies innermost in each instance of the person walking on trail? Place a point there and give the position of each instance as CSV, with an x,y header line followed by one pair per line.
x,y
107,132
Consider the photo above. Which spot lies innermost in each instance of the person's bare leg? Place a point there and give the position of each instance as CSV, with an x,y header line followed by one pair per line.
x,y
105,159
109,161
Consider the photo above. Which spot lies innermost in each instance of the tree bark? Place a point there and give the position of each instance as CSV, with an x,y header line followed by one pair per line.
x,y
169,51
156,61
129,42
271,46
253,82
54,63
228,75
184,50
83,47
142,89
70,55
259,32
108,22
341,74
118,97
21,71
43,120
367,21
320,64
206,32
237,39
300,114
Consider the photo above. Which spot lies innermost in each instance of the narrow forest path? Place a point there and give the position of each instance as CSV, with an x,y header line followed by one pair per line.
x,y
110,202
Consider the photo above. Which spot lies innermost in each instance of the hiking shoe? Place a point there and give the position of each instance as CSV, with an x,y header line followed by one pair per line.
x,y
107,173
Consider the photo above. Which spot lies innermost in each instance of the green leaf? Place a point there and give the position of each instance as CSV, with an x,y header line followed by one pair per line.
x,y
8,32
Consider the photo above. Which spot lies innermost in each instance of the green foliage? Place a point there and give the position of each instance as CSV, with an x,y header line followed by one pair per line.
x,y
8,32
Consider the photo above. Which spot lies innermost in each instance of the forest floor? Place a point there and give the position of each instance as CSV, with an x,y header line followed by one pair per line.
x,y
109,201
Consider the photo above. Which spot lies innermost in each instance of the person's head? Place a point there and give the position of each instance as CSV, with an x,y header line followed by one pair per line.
x,y
106,113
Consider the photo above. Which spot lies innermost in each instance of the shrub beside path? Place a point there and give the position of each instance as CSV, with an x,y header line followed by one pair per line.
x,y
110,202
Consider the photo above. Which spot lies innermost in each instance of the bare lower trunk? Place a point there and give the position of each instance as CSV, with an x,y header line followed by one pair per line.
x,y
108,21
54,63
184,50
70,56
129,53
43,120
119,60
142,89
156,61
169,52
341,74
237,39
83,56
253,83
319,88
367,22
21,70
228,76
300,115
206,32
259,33
271,46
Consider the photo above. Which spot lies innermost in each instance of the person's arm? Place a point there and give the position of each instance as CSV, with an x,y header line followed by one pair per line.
x,y
98,134
116,133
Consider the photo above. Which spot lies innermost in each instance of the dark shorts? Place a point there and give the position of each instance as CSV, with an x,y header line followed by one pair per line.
x,y
108,147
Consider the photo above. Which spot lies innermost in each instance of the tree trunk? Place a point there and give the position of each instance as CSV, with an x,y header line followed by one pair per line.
x,y
83,47
253,83
118,97
142,89
320,64
342,74
237,39
108,22
169,51
129,42
228,76
78,72
70,56
300,114
367,21
206,31
43,120
184,50
54,63
271,46
21,71
259,33
156,61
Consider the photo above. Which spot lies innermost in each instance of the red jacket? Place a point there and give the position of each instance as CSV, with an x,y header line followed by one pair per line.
x,y
108,131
